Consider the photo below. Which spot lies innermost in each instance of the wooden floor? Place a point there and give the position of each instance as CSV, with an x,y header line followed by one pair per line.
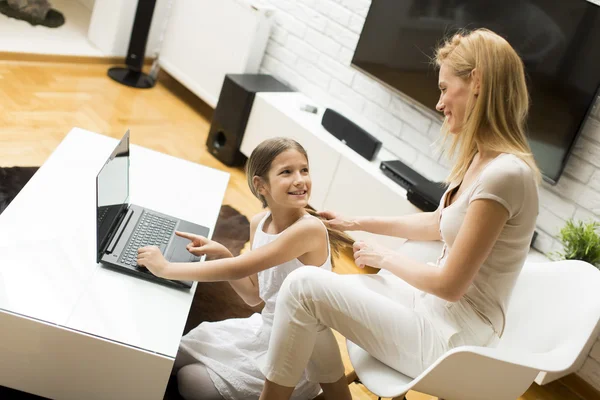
x,y
40,102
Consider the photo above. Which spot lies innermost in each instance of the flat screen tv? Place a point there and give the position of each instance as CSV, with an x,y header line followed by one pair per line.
x,y
558,40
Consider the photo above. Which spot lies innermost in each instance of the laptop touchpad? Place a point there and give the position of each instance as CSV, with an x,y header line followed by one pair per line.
x,y
178,251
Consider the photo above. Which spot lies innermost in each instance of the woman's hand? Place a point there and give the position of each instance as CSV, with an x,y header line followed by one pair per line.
x,y
370,254
151,258
199,246
337,221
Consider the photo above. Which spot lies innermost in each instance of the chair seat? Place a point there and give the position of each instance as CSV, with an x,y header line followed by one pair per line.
x,y
375,375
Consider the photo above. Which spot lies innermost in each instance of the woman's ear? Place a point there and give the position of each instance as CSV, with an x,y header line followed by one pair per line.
x,y
475,81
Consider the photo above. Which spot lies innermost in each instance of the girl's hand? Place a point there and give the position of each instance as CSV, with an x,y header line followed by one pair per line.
x,y
199,246
337,221
151,258
372,255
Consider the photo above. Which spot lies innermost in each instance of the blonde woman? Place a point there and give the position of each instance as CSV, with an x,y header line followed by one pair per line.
x,y
411,316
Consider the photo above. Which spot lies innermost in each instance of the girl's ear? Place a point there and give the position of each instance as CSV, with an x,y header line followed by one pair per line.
x,y
259,184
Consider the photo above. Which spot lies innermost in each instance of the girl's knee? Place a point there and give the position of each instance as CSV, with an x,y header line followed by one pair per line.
x,y
194,383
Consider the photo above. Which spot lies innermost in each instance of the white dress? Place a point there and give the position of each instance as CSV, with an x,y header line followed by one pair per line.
x,y
231,349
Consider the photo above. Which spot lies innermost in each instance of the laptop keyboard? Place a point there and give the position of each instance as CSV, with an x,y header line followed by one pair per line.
x,y
152,230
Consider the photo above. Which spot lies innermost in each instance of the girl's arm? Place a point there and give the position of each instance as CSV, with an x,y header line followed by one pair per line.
x,y
472,246
247,288
305,236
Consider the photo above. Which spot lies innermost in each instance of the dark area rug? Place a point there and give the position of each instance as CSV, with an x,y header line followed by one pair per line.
x,y
213,301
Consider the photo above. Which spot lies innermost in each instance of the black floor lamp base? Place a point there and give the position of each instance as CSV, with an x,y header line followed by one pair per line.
x,y
131,78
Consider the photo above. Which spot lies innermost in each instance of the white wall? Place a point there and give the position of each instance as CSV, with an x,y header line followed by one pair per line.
x,y
311,47
89,4
111,24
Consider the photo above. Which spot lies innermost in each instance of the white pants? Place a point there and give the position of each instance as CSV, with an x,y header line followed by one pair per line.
x,y
374,311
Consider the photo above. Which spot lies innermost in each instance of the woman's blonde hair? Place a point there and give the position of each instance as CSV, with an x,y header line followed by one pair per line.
x,y
259,164
495,118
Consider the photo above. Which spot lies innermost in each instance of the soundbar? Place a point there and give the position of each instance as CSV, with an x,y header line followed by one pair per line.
x,y
351,134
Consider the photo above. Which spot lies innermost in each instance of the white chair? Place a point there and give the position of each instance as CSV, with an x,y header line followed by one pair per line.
x,y
554,309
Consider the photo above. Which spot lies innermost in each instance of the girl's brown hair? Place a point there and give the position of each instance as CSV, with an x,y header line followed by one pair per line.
x,y
496,118
259,164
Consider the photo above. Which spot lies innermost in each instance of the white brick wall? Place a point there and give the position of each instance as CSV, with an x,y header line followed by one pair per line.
x,y
311,48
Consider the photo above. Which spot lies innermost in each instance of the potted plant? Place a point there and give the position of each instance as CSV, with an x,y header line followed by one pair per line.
x,y
580,241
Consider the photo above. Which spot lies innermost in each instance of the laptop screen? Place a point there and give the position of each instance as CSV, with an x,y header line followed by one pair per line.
x,y
112,193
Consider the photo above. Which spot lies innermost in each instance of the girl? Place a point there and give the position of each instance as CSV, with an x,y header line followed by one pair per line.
x,y
410,316
220,360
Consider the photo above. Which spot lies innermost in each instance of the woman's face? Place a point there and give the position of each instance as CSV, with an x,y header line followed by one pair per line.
x,y
454,94
289,180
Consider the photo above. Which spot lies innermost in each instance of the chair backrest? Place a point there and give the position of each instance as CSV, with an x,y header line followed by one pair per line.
x,y
554,308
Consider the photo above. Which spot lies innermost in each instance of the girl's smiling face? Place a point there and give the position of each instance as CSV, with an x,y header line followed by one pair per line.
x,y
289,182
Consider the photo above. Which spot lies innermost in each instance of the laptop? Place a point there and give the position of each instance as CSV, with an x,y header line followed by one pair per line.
x,y
122,228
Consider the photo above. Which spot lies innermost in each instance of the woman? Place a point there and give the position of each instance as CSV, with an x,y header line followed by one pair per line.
x,y
486,218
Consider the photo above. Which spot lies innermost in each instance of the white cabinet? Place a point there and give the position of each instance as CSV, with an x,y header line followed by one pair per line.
x,y
343,181
359,191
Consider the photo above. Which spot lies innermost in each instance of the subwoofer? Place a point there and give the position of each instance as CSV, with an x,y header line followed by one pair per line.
x,y
232,112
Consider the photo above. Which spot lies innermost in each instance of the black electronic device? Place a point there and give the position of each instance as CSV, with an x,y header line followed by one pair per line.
x,y
232,112
557,41
351,134
132,74
420,191
426,195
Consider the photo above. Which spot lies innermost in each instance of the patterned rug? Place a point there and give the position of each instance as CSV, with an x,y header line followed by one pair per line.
x,y
213,301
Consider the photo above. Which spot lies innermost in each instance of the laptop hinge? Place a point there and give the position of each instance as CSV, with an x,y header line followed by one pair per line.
x,y
119,231
114,228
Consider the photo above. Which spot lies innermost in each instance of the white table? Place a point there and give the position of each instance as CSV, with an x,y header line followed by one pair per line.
x,y
71,328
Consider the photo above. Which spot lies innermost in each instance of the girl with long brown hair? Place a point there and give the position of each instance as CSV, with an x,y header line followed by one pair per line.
x,y
221,359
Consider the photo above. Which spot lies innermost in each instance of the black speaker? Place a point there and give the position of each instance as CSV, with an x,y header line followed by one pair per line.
x,y
132,75
232,112
351,134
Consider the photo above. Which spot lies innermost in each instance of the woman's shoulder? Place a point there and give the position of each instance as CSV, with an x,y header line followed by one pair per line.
x,y
510,168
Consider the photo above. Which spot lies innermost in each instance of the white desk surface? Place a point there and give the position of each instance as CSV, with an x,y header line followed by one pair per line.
x,y
48,267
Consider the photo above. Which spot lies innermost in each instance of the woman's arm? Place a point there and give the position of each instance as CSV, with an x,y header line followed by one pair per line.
x,y
482,225
302,237
420,226
247,288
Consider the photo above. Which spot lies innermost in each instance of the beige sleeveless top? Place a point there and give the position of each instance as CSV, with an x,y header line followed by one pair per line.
x,y
509,181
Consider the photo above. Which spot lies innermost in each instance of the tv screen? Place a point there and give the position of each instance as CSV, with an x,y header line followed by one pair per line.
x,y
558,40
